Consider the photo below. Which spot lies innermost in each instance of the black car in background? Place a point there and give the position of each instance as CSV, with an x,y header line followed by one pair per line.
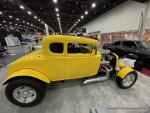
x,y
3,49
138,50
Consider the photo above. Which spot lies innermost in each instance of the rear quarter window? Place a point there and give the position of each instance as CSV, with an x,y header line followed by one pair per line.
x,y
56,47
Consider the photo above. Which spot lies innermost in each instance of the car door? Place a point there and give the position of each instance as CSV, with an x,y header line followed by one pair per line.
x,y
140,52
128,47
81,61
54,63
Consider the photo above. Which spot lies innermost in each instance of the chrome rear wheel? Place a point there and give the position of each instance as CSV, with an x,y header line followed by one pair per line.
x,y
24,94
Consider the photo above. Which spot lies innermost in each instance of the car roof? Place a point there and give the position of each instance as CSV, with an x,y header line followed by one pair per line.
x,y
68,38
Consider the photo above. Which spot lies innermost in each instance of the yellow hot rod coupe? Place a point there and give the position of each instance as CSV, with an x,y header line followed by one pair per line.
x,y
62,57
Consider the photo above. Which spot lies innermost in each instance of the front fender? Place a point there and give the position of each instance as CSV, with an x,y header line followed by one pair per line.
x,y
124,71
28,73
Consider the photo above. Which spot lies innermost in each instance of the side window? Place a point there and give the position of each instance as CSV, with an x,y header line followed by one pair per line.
x,y
79,48
117,43
56,47
129,45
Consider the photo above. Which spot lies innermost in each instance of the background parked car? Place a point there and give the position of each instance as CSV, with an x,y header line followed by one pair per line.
x,y
138,50
3,49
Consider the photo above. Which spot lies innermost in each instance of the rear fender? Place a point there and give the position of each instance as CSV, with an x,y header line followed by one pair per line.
x,y
28,73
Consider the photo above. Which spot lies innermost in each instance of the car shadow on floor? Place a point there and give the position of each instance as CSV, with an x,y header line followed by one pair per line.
x,y
75,82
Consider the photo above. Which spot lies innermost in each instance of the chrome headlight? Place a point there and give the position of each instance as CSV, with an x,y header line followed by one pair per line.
x,y
117,68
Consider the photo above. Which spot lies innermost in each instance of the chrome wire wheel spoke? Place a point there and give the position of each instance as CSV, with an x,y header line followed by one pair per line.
x,y
24,94
128,80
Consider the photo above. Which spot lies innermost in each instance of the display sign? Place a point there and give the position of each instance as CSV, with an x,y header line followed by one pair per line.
x,y
12,41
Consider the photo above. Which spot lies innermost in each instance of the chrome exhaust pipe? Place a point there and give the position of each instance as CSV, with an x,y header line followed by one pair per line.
x,y
98,79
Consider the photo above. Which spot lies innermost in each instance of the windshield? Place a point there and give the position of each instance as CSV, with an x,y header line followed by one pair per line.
x,y
144,44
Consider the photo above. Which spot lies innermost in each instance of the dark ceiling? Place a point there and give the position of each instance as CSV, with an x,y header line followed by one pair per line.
x,y
69,13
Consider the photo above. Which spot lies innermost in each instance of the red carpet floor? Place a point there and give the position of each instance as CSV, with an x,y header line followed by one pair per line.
x,y
145,72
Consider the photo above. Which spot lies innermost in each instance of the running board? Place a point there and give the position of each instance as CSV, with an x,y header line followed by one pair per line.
x,y
98,79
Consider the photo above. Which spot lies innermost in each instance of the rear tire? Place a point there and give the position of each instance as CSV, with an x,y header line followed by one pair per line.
x,y
25,92
120,81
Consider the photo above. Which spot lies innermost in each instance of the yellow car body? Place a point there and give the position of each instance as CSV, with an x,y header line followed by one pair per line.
x,y
48,66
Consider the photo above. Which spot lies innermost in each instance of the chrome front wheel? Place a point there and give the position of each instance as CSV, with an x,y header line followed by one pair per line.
x,y
128,81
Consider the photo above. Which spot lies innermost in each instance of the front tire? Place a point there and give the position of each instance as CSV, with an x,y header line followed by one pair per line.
x,y
138,65
25,92
128,81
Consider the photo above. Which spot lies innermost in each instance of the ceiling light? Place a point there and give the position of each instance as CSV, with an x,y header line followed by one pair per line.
x,y
10,16
1,13
55,1
35,17
79,20
4,21
60,28
28,23
29,12
82,17
21,7
56,9
39,20
42,22
93,5
86,12
16,24
76,22
17,19
10,22
57,14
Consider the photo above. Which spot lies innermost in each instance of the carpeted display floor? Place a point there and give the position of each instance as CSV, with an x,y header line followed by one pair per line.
x,y
145,71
